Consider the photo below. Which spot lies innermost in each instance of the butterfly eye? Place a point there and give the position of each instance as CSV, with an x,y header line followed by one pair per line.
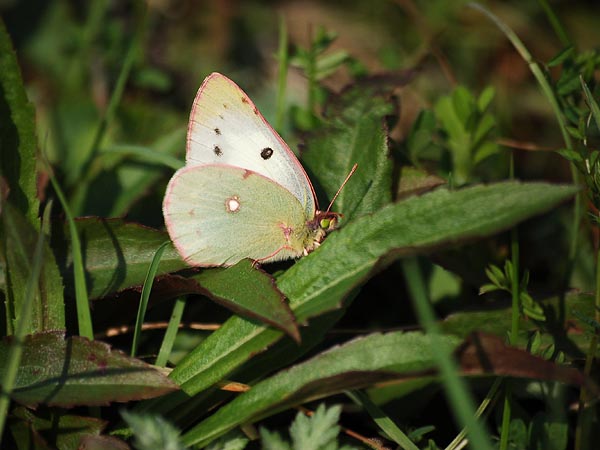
x,y
266,153
324,223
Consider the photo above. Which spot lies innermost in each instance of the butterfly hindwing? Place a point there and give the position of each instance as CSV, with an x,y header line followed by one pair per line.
x,y
226,128
217,215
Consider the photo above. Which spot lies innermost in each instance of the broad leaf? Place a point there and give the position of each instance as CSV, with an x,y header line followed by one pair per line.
x,y
320,281
116,255
18,241
76,371
365,361
17,135
354,132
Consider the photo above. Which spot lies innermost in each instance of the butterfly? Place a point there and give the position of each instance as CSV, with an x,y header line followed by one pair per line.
x,y
242,192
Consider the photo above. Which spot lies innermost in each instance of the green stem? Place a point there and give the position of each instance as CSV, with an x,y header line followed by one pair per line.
x,y
283,60
459,396
23,320
515,312
555,23
84,317
589,361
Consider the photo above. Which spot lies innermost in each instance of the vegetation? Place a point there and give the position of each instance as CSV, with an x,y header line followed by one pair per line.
x,y
456,306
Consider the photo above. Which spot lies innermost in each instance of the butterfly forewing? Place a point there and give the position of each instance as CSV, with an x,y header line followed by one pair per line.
x,y
217,215
226,128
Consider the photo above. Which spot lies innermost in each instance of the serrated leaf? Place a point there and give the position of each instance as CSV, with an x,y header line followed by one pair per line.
x,y
235,440
316,432
320,281
272,440
152,432
18,141
76,371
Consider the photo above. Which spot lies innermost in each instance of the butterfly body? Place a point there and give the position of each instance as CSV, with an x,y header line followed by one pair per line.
x,y
242,193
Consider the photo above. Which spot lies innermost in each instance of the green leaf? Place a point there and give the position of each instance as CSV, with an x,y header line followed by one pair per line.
x,y
497,320
594,108
17,134
320,281
485,98
273,440
63,430
317,432
251,293
152,432
235,440
414,181
355,364
116,254
18,241
353,133
561,56
76,371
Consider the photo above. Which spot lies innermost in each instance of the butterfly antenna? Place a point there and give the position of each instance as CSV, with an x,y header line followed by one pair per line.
x,y
342,186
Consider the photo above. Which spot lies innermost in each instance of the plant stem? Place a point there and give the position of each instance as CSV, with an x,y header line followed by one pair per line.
x,y
548,91
514,324
282,59
589,360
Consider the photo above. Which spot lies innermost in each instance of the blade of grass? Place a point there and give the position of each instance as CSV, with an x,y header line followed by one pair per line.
x,y
489,399
14,358
547,90
283,60
84,317
171,333
555,23
146,289
594,108
382,420
457,392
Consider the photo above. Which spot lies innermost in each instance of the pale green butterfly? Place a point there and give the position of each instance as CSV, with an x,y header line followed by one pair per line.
x,y
242,193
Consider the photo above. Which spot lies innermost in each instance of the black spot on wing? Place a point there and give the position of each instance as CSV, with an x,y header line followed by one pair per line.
x,y
217,150
266,153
